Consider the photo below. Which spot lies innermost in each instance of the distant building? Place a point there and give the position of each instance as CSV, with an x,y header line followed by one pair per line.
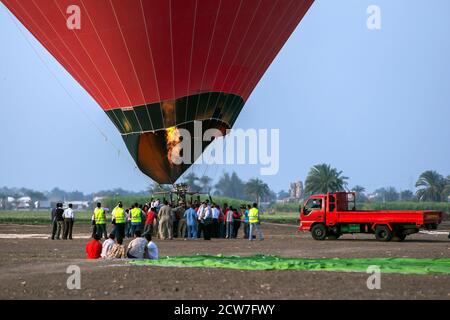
x,y
296,192
98,199
77,205
24,203
42,204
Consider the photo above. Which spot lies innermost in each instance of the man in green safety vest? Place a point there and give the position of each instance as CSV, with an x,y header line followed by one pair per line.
x,y
136,218
119,219
100,221
253,219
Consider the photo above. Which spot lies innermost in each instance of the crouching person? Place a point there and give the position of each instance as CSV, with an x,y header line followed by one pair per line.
x,y
137,247
152,248
117,251
107,245
94,248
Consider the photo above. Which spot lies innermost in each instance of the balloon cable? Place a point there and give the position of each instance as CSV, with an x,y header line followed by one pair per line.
x,y
77,104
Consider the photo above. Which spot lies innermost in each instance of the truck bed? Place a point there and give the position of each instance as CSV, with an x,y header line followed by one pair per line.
x,y
419,217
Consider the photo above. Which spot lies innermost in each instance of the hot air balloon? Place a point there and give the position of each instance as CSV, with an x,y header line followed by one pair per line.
x,y
155,66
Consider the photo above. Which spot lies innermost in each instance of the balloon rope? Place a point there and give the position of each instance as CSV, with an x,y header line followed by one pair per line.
x,y
93,63
89,56
76,103
59,53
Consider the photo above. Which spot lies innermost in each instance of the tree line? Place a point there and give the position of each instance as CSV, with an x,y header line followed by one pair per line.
x,y
229,185
430,186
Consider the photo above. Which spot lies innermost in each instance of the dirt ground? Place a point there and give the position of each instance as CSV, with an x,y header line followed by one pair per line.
x,y
33,267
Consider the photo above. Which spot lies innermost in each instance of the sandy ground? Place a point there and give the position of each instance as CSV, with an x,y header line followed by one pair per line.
x,y
34,267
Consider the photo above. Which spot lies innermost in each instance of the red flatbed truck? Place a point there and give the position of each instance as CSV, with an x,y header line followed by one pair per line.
x,y
333,214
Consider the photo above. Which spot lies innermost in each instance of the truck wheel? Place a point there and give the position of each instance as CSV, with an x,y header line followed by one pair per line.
x,y
319,232
382,233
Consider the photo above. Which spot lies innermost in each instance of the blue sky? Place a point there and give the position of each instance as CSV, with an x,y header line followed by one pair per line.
x,y
374,104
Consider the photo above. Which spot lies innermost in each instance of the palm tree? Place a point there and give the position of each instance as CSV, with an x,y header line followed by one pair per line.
x,y
257,188
230,186
191,180
360,195
322,179
205,183
406,195
431,186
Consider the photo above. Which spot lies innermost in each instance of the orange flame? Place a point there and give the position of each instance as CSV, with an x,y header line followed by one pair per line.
x,y
173,138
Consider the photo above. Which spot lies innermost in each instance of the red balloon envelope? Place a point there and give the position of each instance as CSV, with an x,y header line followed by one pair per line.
x,y
156,66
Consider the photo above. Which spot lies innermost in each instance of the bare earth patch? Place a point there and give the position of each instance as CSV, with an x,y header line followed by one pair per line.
x,y
34,267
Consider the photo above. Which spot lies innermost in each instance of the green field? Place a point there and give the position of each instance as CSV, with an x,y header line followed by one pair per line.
x,y
263,262
37,217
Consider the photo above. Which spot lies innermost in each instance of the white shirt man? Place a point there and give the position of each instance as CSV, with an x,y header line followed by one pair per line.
x,y
106,247
208,212
201,212
152,251
69,213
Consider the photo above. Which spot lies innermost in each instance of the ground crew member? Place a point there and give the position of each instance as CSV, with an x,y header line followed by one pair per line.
x,y
100,221
176,214
165,222
182,227
69,218
58,221
136,218
253,217
118,216
54,223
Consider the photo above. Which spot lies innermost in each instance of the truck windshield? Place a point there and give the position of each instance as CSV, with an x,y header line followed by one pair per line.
x,y
313,204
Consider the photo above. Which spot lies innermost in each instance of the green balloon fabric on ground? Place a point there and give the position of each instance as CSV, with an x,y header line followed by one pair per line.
x,y
263,262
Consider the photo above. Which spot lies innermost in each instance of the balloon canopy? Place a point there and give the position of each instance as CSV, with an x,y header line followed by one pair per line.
x,y
155,66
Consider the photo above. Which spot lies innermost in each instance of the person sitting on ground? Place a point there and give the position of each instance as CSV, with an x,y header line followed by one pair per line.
x,y
117,251
152,248
137,247
107,245
94,247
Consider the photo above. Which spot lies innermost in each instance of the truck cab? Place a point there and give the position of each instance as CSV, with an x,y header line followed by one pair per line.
x,y
323,208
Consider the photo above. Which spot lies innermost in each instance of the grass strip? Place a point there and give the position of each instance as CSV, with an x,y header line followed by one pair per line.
x,y
268,262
